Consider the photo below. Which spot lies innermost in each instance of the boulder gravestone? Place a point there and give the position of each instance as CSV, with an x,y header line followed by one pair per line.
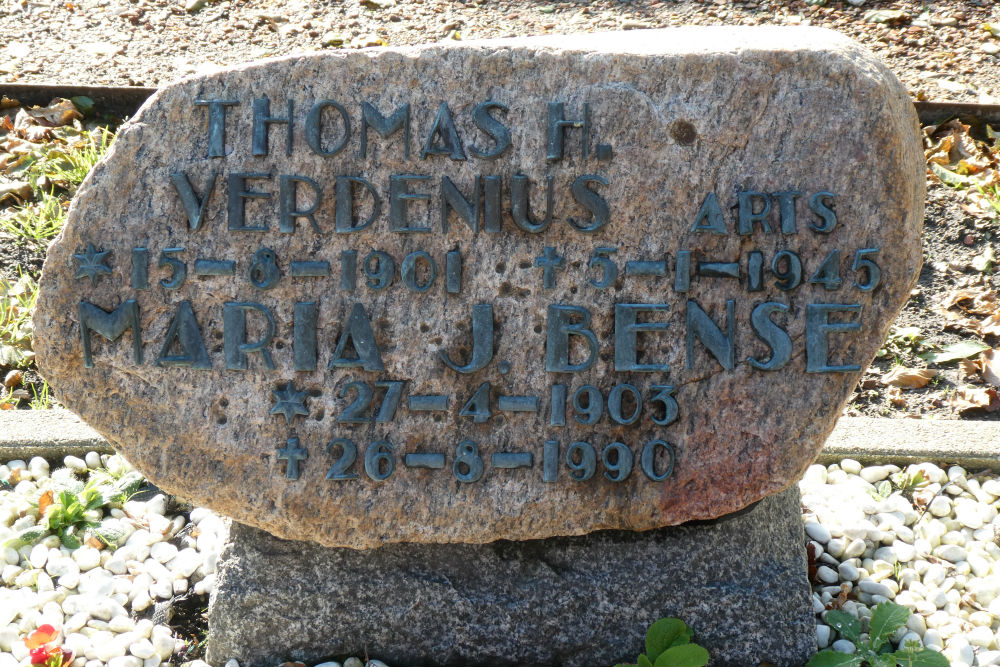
x,y
505,290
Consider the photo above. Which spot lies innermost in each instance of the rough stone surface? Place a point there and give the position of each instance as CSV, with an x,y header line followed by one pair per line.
x,y
582,601
686,113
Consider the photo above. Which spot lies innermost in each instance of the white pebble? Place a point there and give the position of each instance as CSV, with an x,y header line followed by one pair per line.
x,y
827,575
157,505
876,588
815,474
992,487
87,558
163,641
940,506
855,548
822,636
850,466
950,552
932,638
125,661
39,554
981,636
848,572
843,646
817,532
121,624
873,474
93,460
75,463
163,552
142,649
988,658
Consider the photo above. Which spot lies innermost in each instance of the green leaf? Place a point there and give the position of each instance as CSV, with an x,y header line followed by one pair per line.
x,y
665,633
831,658
84,104
111,532
26,536
954,352
845,624
124,487
949,177
884,488
644,661
923,657
685,655
886,619
883,660
68,537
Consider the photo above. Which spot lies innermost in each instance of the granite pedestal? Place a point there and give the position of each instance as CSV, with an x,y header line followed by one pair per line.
x,y
740,582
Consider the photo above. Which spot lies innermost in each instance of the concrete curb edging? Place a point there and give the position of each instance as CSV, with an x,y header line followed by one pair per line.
x,y
57,433
51,434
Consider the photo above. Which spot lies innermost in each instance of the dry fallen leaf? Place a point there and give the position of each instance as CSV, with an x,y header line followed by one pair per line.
x,y
989,363
991,325
908,378
967,368
59,112
44,501
94,542
969,398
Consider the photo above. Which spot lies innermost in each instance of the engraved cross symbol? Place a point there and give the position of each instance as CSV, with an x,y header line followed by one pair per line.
x,y
291,455
549,261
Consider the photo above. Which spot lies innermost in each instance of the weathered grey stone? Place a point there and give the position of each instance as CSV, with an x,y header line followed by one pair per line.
x,y
575,601
691,116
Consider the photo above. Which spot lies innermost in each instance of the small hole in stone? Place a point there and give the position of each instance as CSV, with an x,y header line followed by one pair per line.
x,y
524,264
683,132
538,328
572,290
320,414
501,267
223,402
424,328
279,345
315,392
437,418
221,421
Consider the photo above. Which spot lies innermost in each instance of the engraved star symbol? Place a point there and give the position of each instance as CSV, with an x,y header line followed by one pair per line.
x,y
290,402
90,264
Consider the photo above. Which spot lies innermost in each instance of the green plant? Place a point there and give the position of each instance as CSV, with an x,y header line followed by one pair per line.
x,y
36,223
907,484
66,166
668,644
72,513
875,651
17,303
900,342
41,400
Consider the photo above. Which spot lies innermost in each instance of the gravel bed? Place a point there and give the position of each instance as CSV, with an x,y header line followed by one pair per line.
x,y
110,605
938,48
112,600
924,537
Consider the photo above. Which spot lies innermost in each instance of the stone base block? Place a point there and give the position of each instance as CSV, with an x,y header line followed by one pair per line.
x,y
740,582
